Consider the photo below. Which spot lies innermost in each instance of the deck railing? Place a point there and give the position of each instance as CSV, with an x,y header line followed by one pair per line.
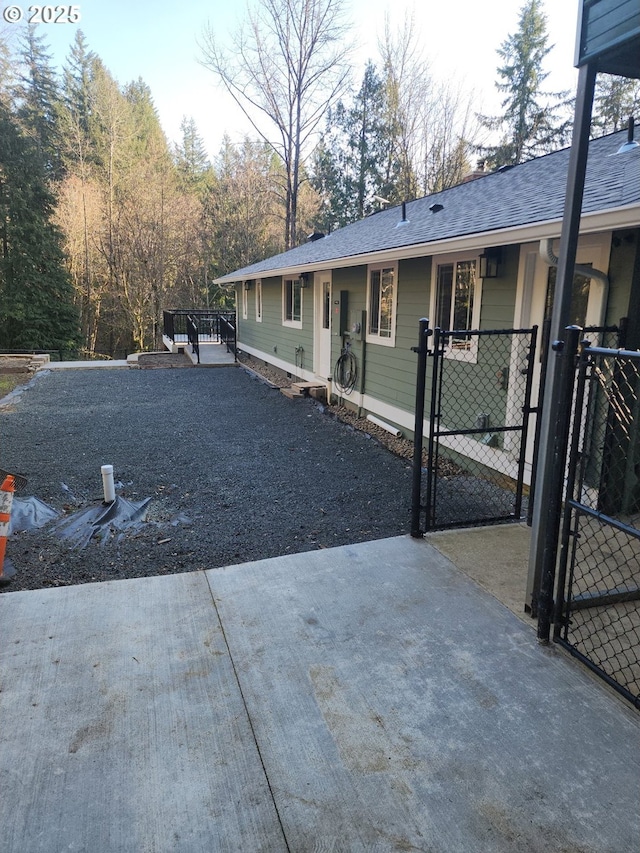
x,y
228,335
190,326
193,336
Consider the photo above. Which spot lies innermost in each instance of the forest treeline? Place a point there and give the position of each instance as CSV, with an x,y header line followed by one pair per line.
x,y
104,223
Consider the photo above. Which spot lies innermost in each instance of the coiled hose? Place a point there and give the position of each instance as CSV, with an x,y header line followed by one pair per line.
x,y
345,373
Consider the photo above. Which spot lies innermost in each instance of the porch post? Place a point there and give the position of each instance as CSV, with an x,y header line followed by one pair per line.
x,y
550,477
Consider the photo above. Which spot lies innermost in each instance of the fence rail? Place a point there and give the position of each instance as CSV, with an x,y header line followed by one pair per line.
x,y
597,607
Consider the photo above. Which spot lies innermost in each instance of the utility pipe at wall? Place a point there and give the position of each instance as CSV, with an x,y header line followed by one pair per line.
x,y
546,253
393,430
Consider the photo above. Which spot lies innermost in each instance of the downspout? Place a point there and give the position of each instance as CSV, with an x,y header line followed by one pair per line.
x,y
546,253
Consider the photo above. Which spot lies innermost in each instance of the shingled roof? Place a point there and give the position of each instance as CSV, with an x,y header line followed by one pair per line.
x,y
523,195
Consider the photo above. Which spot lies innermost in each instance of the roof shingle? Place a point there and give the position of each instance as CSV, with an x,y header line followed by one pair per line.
x,y
523,195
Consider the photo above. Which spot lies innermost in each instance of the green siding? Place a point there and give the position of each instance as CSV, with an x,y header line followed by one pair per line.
x,y
353,280
499,294
386,373
391,371
270,336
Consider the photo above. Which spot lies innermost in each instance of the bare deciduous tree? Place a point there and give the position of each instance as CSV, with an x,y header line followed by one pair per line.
x,y
430,120
288,64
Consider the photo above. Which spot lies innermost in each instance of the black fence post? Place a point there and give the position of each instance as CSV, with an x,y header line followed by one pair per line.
x,y
575,460
421,374
623,332
554,471
526,412
167,324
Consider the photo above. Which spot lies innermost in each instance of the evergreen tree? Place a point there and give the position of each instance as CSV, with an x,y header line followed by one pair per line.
x,y
355,159
243,213
39,102
79,202
407,85
616,98
191,157
530,118
147,137
6,72
76,123
328,178
36,310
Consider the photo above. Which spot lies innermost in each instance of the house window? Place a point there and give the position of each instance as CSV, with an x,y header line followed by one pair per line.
x,y
259,301
382,305
457,305
292,302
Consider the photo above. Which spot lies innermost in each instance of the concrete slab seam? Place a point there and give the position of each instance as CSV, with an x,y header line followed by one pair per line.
x,y
248,713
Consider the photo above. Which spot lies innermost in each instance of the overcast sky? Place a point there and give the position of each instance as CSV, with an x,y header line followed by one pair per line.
x,y
157,40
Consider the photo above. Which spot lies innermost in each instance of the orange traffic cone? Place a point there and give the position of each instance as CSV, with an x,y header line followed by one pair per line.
x,y
7,489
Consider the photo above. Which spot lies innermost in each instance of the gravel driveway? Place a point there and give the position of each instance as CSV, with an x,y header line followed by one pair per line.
x,y
234,470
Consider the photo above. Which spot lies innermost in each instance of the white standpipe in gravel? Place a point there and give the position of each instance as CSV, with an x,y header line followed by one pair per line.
x,y
108,484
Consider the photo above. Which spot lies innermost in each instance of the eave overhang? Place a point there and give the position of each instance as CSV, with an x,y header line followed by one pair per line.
x,y
627,216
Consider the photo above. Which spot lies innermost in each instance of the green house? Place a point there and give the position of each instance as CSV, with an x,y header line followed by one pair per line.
x,y
480,255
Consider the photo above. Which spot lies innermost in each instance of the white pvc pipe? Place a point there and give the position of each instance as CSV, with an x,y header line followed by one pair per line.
x,y
546,253
108,485
393,430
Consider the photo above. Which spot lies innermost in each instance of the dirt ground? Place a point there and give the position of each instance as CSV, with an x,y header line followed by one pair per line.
x,y
13,372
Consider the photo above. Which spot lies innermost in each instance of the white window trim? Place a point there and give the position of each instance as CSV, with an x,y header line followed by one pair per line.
x,y
470,355
259,303
291,324
373,338
245,302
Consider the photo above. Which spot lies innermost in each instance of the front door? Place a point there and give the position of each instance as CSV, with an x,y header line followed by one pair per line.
x,y
322,329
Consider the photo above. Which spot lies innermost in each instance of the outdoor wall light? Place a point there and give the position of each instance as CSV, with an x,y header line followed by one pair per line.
x,y
490,263
304,279
247,285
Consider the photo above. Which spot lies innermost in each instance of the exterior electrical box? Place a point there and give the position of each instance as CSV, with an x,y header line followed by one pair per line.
x,y
357,325
340,313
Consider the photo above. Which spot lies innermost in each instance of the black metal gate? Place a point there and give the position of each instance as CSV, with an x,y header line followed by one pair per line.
x,y
597,608
471,470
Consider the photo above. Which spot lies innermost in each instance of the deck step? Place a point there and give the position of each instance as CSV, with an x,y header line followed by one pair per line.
x,y
318,390
292,393
307,386
319,393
